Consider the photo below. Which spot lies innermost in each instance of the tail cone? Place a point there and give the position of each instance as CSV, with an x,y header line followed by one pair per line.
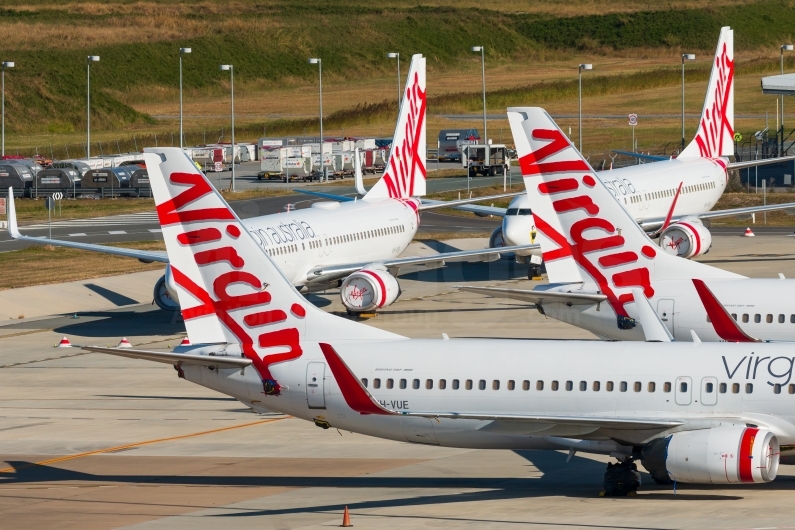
x,y
124,343
64,343
748,232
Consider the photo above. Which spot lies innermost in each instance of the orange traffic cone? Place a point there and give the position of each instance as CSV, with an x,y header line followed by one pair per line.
x,y
185,342
748,232
64,343
346,519
124,343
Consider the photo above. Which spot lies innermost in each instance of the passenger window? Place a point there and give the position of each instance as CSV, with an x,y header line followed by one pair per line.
x,y
415,384
749,388
777,389
596,386
376,383
791,389
769,319
736,388
539,385
525,385
455,384
666,387
709,388
429,384
682,387
390,383
511,384
745,318
623,386
722,388
652,387
442,384
403,384
569,386
609,386
792,319
364,382
637,386
495,385
757,318
482,384
468,384
781,319
554,386
734,316
583,386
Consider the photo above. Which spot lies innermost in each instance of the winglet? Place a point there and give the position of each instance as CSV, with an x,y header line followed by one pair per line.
x,y
357,173
356,396
725,326
13,229
653,328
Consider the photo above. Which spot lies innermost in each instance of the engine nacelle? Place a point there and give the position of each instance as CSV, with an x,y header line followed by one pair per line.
x,y
496,240
724,455
686,238
369,289
166,292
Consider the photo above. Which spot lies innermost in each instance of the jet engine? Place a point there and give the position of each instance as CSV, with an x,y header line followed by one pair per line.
x,y
496,240
686,238
165,293
723,455
369,289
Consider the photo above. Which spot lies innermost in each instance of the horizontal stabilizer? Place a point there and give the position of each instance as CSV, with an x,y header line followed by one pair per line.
x,y
653,328
174,358
538,297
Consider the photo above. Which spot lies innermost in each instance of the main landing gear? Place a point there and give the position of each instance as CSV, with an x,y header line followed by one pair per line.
x,y
621,479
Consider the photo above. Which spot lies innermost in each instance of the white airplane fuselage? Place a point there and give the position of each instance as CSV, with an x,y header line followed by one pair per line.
x,y
641,380
335,233
646,192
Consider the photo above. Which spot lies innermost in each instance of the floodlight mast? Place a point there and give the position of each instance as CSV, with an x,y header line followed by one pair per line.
x,y
396,55
231,69
182,51
685,57
89,59
5,64
580,68
319,63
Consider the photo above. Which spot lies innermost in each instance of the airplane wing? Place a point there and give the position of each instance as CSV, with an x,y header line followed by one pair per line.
x,y
430,204
338,198
764,161
537,297
147,256
176,359
327,274
747,210
360,400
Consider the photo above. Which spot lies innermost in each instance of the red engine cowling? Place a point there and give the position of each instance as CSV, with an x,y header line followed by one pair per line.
x,y
165,293
686,238
369,289
724,455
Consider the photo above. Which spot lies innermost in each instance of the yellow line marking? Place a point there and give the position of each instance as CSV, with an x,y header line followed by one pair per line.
x,y
138,444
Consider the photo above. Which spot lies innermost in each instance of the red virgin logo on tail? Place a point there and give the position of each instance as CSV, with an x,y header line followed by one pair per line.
x,y
715,127
605,258
215,245
405,166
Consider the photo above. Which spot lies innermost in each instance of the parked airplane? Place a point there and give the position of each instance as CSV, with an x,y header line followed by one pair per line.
x,y
673,197
705,413
354,245
595,253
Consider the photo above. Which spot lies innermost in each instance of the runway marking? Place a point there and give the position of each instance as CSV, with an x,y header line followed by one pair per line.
x,y
139,444
116,232
79,234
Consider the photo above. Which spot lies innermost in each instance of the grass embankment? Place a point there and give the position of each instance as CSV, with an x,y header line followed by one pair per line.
x,y
268,43
39,265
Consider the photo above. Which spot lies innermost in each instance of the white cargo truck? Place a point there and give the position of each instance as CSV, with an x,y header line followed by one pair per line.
x,y
484,160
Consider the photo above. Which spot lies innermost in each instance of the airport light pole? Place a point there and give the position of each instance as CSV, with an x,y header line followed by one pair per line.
x,y
580,68
396,55
231,69
482,51
319,63
90,59
685,57
6,64
784,48
182,51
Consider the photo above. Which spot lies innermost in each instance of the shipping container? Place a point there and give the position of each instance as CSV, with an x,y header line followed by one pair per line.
x,y
108,181
448,142
17,177
80,166
51,180
364,144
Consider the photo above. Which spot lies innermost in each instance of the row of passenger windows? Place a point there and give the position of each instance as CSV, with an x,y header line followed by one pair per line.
x,y
286,249
582,386
768,318
359,236
670,193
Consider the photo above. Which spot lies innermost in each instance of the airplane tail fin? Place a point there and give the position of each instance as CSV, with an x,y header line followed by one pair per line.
x,y
230,291
715,135
585,234
404,175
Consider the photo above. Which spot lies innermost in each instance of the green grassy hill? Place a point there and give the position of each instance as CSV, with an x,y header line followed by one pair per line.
x,y
269,43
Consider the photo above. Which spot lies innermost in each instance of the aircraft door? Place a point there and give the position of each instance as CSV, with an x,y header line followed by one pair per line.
x,y
315,396
709,391
683,390
665,310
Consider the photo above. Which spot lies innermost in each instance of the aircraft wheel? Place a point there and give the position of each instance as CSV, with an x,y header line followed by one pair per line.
x,y
621,479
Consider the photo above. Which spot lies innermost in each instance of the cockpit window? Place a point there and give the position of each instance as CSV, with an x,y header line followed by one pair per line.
x,y
518,211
